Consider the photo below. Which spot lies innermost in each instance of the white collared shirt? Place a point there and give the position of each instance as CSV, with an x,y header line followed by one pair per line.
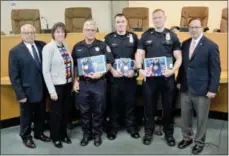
x,y
197,40
29,46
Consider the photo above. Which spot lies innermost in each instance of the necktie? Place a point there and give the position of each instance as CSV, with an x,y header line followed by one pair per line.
x,y
192,48
35,56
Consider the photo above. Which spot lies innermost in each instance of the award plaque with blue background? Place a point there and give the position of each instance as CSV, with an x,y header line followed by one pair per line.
x,y
155,66
124,65
90,65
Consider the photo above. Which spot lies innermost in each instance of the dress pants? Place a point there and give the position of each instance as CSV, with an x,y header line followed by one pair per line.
x,y
201,105
151,89
123,100
59,111
91,101
31,112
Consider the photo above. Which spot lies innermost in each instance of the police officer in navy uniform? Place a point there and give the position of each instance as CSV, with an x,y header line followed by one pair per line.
x,y
91,87
123,44
158,42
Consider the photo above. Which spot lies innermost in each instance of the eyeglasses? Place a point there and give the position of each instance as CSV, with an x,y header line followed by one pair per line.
x,y
28,33
88,30
194,27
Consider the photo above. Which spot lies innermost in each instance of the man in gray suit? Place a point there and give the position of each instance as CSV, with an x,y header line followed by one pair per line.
x,y
198,81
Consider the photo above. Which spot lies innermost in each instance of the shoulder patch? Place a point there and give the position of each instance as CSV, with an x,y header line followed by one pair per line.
x,y
108,49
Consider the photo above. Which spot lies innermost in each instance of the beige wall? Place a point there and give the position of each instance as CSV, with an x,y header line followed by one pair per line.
x,y
53,11
103,11
117,7
173,10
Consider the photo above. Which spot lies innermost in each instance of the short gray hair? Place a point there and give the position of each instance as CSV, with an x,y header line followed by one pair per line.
x,y
90,22
26,26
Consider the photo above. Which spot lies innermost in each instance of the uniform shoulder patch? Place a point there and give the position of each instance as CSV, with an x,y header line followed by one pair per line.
x,y
108,49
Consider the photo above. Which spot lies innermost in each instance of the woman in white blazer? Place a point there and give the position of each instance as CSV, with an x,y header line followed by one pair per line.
x,y
58,76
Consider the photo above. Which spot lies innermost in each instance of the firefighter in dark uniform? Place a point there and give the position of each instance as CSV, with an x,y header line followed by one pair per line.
x,y
123,44
159,42
91,87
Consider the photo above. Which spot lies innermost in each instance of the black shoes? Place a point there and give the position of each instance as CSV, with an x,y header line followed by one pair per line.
x,y
57,144
29,143
184,143
43,138
66,140
170,140
97,141
134,134
197,149
147,139
111,135
85,140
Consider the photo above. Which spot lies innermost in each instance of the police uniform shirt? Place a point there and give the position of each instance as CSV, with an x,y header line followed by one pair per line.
x,y
158,44
122,46
81,50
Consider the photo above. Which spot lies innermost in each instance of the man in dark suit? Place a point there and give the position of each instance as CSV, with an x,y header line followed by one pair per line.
x,y
26,77
198,80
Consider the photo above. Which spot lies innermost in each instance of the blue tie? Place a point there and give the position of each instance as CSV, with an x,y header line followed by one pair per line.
x,y
35,55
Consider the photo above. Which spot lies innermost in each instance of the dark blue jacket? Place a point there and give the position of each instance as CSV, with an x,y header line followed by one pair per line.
x,y
25,74
200,74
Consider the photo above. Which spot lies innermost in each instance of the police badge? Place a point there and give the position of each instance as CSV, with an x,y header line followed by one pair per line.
x,y
131,39
168,38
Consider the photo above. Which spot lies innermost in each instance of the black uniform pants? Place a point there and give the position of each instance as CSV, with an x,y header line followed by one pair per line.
x,y
123,92
108,105
31,112
151,88
59,111
92,105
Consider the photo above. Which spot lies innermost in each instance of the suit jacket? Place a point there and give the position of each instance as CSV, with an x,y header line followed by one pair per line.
x,y
25,75
201,73
54,69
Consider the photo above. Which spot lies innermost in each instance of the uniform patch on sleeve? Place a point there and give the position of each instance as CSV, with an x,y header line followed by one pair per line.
x,y
108,49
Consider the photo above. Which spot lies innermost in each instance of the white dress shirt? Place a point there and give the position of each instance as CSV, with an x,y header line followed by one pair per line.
x,y
29,46
197,40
